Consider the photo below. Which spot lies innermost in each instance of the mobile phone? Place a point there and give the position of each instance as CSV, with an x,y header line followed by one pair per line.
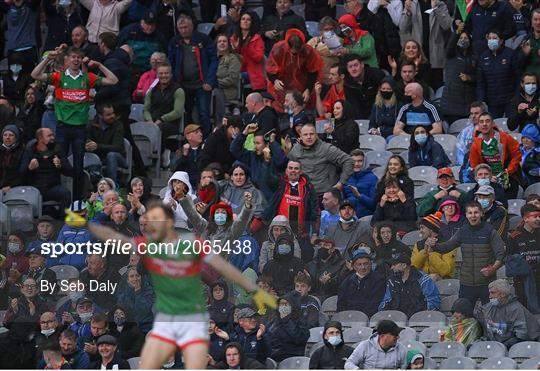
x,y
223,10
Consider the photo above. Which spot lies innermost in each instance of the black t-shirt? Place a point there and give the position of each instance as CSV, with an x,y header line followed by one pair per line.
x,y
423,115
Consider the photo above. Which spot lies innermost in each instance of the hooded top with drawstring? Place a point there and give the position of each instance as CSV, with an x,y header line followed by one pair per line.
x,y
283,267
10,159
370,355
330,357
180,217
267,249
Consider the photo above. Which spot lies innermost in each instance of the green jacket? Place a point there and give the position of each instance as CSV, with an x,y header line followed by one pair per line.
x,y
109,138
365,48
532,61
428,203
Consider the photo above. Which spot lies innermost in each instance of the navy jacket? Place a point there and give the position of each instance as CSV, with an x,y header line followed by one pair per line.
x,y
362,294
497,75
143,44
253,348
431,154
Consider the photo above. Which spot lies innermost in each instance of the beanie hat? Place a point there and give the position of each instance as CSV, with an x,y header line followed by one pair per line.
x,y
14,129
531,131
463,306
413,355
432,221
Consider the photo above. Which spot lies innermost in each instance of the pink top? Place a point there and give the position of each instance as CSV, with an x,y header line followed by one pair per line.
x,y
146,81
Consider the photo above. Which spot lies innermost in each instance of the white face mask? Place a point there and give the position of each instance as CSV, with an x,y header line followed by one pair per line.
x,y
48,332
284,310
85,317
168,364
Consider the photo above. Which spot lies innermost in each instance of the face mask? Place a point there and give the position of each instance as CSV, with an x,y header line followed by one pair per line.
x,y
334,340
420,138
483,182
64,3
463,44
346,221
324,254
387,94
283,249
530,89
495,302
85,317
493,44
220,218
119,321
284,310
407,99
74,296
398,275
168,365
290,111
14,247
484,203
48,332
15,68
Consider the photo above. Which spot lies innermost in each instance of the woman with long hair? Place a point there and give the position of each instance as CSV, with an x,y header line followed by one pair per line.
x,y
412,52
344,132
385,110
396,169
425,151
228,74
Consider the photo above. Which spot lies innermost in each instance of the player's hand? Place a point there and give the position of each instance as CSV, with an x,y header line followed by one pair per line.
x,y
74,219
262,299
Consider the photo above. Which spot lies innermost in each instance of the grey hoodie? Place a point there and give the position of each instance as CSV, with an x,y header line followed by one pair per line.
x,y
235,196
180,217
369,355
267,250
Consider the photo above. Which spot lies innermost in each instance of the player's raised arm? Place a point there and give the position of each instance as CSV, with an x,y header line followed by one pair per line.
x,y
107,233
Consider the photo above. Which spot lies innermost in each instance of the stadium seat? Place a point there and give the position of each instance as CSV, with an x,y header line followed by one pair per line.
x,y
147,137
408,334
270,364
515,205
379,171
431,335
521,351
366,218
134,363
377,158
313,348
27,194
457,126
61,302
363,126
502,124
455,171
448,286
259,10
312,28
405,156
315,334
5,220
357,333
413,344
398,317
329,306
458,363
532,189
427,318
137,111
481,350
204,28
530,364
498,363
514,222
447,141
447,302
294,363
516,136
65,272
299,10
466,186
353,317
421,191
421,175
399,143
128,149
411,238
447,349
370,142
430,364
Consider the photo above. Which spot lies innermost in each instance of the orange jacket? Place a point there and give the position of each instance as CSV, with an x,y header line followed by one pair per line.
x,y
510,154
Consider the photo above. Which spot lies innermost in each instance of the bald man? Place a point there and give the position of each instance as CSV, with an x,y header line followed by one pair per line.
x,y
417,112
265,117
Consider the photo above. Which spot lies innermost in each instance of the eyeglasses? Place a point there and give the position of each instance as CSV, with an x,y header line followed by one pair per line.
x,y
29,286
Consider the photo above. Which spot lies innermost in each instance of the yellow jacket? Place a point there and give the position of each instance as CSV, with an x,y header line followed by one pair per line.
x,y
434,262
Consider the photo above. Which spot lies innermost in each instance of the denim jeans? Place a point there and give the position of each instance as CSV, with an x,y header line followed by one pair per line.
x,y
74,137
113,161
200,99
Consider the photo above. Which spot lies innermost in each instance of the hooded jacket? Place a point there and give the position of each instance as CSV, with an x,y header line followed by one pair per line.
x,y
246,363
385,251
140,303
10,160
330,357
370,355
317,267
530,163
430,154
289,20
411,354
362,294
283,268
180,217
253,61
364,45
221,311
345,238
449,227
365,181
130,339
268,246
251,346
234,195
465,331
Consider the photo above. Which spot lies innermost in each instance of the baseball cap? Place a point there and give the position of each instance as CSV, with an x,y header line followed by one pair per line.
x,y
267,95
387,326
84,300
400,258
359,254
345,204
78,206
485,190
33,250
191,128
45,218
326,240
150,18
445,171
247,313
107,339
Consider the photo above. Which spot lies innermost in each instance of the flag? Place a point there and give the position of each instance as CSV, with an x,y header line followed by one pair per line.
x,y
464,7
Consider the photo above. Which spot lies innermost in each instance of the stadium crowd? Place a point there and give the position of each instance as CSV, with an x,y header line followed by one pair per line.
x,y
391,150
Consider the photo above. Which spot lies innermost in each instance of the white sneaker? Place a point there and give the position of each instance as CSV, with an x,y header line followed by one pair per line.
x,y
166,158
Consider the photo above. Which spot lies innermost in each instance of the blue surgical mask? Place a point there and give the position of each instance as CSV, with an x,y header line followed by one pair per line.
x,y
64,3
334,340
220,218
284,249
484,203
421,138
530,89
493,44
15,68
483,182
14,247
494,301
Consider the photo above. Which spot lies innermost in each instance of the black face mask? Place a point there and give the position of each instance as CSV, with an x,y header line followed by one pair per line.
x,y
387,94
407,99
324,253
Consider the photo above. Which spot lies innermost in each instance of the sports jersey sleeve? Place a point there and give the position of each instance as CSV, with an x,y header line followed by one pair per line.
x,y
53,79
94,80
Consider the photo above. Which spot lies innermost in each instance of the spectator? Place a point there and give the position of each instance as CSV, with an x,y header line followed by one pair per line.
x,y
110,199
452,218
483,252
309,306
332,355
168,12
288,336
297,114
439,21
504,318
235,359
493,211
279,226
319,161
465,137
61,17
264,162
194,65
459,86
335,92
438,266
342,131
218,144
149,78
52,356
317,9
74,356
275,25
409,290
189,156
392,9
446,187
358,41
16,261
284,266
138,296
363,290
46,231
387,246
524,103
528,55
42,164
104,16
247,42
408,73
385,109
95,204
72,116
524,241
124,328
348,230
15,83
218,340
325,269
30,114
360,188
220,308
178,186
417,112
361,84
11,152
39,272
330,215
251,337
381,350
49,333
329,46
207,192
139,194
415,360
530,153
301,75
483,175
424,150
265,117
496,75
463,327
96,326
29,306
228,95
533,199
412,53
396,169
101,274
164,106
395,206
109,358
478,25
79,39
105,138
